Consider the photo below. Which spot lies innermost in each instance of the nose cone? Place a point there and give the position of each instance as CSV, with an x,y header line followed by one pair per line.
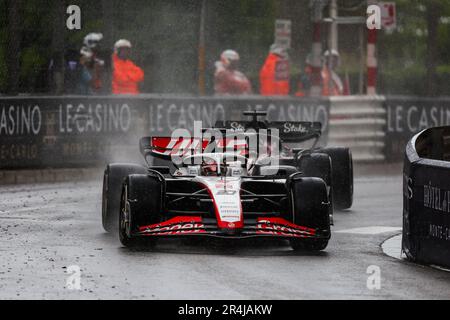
x,y
225,194
232,229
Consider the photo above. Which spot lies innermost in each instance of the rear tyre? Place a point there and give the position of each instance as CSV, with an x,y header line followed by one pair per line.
x,y
140,206
310,208
342,176
316,165
113,178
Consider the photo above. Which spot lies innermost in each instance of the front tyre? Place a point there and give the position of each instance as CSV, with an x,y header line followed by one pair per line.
x,y
113,179
319,165
310,208
140,206
125,223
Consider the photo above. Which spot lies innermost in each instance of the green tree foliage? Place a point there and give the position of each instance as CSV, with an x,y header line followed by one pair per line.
x,y
165,37
403,54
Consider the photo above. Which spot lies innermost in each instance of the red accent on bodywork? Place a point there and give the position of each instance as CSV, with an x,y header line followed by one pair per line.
x,y
171,146
282,227
194,225
222,224
178,225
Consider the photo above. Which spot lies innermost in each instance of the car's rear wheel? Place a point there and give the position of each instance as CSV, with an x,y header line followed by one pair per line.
x,y
310,208
342,176
316,165
113,178
140,206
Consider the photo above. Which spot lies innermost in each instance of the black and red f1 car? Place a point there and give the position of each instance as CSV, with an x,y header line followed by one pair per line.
x,y
234,193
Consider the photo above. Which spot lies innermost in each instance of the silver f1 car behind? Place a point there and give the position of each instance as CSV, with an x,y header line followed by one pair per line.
x,y
235,193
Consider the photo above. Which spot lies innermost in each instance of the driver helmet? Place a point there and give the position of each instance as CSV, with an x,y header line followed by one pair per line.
x,y
209,169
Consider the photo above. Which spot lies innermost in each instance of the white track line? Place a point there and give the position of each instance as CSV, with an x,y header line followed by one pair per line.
x,y
392,247
370,230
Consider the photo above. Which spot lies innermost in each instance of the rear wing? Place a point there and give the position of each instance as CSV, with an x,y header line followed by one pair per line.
x,y
298,131
231,140
289,131
166,147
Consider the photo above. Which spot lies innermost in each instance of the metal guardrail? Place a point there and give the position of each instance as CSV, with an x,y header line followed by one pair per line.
x,y
359,122
377,128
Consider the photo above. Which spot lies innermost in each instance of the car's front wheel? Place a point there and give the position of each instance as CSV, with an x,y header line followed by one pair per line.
x,y
140,206
113,178
310,208
319,165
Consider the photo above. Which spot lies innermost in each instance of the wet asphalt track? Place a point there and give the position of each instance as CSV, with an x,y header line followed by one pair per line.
x,y
44,229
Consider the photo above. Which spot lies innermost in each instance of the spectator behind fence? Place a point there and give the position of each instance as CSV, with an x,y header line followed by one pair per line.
x,y
85,76
275,73
227,78
72,71
332,84
91,65
304,83
126,75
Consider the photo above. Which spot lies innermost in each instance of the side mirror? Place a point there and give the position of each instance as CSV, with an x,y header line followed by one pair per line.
x,y
145,145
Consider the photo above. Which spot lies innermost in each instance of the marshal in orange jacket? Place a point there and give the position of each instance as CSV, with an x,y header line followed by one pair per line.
x,y
274,76
126,76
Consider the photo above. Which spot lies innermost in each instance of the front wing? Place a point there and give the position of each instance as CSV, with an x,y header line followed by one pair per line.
x,y
260,227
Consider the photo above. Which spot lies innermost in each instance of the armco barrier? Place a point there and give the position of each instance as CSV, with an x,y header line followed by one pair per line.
x,y
426,197
74,131
359,122
377,128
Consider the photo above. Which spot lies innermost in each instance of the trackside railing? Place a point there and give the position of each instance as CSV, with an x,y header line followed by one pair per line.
x,y
359,122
